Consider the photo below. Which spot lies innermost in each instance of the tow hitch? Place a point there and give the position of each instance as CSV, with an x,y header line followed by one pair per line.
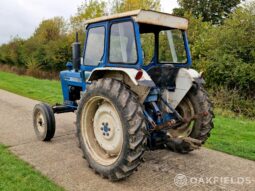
x,y
176,143
173,124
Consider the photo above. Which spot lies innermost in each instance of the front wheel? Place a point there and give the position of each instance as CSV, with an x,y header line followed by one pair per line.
x,y
195,102
44,122
110,129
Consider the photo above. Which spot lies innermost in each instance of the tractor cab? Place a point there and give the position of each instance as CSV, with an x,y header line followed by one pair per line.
x,y
137,39
127,43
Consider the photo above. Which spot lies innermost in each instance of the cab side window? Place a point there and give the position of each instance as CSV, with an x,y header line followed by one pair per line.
x,y
94,46
122,43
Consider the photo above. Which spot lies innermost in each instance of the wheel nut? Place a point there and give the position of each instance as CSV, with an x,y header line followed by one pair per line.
x,y
107,134
104,134
109,129
102,128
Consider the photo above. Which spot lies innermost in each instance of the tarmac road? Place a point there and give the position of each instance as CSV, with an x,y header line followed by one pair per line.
x,y
61,160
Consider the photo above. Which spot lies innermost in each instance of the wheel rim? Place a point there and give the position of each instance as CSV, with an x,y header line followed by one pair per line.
x,y
40,122
186,110
102,130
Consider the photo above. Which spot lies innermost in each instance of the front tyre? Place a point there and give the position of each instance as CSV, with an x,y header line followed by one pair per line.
x,y
110,129
44,122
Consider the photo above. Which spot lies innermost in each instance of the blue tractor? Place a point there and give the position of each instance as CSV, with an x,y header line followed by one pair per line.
x,y
132,89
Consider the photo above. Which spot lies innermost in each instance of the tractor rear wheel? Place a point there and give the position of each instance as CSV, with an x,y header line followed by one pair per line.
x,y
195,102
44,122
110,129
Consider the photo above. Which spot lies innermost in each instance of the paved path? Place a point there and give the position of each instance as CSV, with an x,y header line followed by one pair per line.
x,y
62,161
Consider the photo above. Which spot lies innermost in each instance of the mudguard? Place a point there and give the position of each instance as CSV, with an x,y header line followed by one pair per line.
x,y
141,87
184,81
130,72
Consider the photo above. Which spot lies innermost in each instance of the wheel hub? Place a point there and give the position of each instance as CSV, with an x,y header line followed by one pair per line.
x,y
40,122
107,129
186,110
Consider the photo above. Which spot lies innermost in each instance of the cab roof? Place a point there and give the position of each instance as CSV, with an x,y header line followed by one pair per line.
x,y
148,17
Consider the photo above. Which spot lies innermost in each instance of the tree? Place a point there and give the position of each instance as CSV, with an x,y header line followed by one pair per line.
x,y
210,10
10,53
49,46
50,29
129,5
226,52
88,10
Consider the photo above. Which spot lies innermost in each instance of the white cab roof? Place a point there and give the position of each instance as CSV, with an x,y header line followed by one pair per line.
x,y
148,17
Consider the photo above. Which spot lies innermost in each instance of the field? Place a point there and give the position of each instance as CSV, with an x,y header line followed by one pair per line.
x,y
233,135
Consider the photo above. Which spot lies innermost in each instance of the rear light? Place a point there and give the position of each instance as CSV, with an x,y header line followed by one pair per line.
x,y
139,75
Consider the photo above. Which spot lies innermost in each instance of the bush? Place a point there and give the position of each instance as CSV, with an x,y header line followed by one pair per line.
x,y
231,100
226,55
13,69
33,67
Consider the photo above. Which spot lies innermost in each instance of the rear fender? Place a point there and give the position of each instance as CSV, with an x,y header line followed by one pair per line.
x,y
127,75
184,81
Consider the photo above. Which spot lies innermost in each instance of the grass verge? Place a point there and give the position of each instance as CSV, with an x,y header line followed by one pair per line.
x,y
233,135
18,175
42,90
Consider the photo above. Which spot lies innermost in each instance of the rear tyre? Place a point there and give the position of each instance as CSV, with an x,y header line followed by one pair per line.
x,y
44,122
195,102
110,129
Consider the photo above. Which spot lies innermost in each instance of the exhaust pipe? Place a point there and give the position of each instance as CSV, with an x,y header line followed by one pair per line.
x,y
76,52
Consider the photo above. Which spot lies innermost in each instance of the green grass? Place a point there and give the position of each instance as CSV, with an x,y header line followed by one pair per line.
x,y
42,90
233,135
18,175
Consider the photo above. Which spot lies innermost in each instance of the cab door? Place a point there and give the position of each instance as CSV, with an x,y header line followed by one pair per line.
x,y
124,44
94,49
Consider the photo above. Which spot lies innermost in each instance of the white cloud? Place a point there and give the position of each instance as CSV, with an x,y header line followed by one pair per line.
x,y
21,17
168,5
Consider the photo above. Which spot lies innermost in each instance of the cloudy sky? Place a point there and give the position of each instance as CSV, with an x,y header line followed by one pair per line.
x,y
21,17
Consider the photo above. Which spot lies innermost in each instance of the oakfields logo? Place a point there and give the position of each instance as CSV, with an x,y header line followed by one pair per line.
x,y
181,180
